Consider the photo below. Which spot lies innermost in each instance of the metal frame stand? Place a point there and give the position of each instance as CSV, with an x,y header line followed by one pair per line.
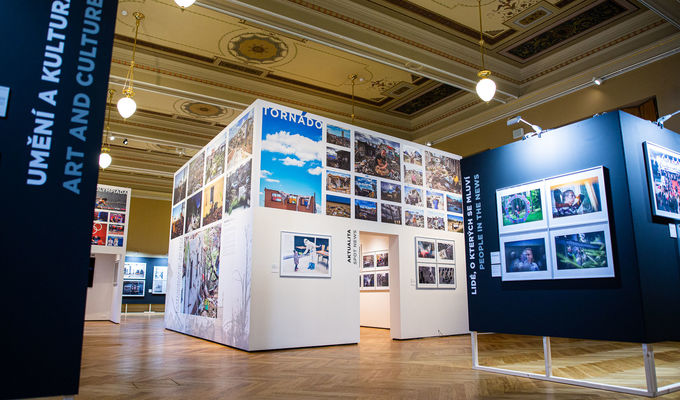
x,y
650,372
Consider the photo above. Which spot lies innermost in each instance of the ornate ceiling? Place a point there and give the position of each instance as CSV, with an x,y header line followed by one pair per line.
x,y
415,63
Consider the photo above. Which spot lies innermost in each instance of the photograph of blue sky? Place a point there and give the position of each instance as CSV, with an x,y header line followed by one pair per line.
x,y
291,158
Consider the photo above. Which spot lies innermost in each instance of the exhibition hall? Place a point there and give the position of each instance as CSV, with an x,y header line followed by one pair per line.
x,y
464,199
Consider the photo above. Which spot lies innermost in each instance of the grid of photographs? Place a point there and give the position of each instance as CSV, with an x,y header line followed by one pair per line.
x,y
390,181
663,177
110,217
215,182
555,228
375,270
305,255
435,263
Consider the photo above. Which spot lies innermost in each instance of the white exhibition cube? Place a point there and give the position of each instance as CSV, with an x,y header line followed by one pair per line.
x,y
264,243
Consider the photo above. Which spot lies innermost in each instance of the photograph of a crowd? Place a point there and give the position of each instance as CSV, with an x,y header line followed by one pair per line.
x,y
663,166
377,156
442,172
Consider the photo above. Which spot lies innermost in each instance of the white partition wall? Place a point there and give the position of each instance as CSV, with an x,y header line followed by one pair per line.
x,y
264,244
108,246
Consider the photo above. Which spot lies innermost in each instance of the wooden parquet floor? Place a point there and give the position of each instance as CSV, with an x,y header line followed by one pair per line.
x,y
140,359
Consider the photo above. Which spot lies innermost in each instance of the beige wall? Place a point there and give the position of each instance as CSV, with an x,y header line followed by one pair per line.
x,y
658,79
149,227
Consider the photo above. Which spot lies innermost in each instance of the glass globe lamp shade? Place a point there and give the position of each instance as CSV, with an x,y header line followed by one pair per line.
x,y
126,107
104,159
486,88
184,3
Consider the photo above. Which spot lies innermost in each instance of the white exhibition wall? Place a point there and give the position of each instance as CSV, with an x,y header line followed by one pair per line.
x,y
264,243
98,305
108,246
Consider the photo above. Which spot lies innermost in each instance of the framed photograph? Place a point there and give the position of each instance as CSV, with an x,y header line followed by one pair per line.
x,y
426,276
365,187
663,177
160,273
338,206
577,198
390,213
446,276
368,281
436,221
525,257
382,259
305,255
426,250
413,196
339,182
413,175
415,218
412,156
521,208
382,280
377,156
435,201
134,270
446,252
133,288
159,287
454,223
390,191
338,136
366,210
582,252
368,261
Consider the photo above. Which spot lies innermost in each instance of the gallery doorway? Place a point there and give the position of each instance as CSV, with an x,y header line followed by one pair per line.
x,y
379,263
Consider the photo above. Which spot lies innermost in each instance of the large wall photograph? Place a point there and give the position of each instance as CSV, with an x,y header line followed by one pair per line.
x,y
201,271
291,161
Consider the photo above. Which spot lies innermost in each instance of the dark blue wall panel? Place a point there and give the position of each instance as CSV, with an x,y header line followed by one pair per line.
x,y
148,298
600,308
657,252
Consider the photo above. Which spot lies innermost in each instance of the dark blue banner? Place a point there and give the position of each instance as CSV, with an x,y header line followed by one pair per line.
x,y
56,60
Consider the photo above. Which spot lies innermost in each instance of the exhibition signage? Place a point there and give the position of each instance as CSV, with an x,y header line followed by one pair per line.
x,y
572,240
54,77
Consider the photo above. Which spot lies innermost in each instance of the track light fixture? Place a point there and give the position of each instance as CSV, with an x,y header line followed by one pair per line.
x,y
665,118
127,105
125,142
597,81
516,120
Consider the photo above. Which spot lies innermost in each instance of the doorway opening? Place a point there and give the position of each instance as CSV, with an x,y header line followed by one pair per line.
x,y
377,272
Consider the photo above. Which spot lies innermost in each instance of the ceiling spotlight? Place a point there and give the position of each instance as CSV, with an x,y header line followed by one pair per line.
x,y
125,141
112,137
597,81
665,118
184,3
429,144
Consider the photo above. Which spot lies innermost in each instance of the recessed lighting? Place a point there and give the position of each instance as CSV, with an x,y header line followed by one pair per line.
x,y
429,144
124,12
